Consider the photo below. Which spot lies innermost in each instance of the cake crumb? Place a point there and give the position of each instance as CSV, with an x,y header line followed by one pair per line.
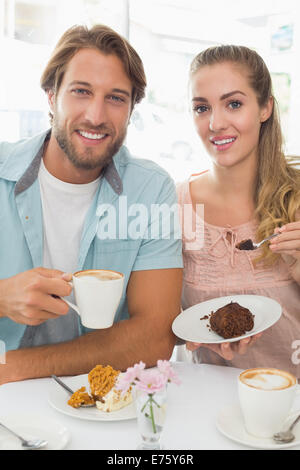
x,y
206,317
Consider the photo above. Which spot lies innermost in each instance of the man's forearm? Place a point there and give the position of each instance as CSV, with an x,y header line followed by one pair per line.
x,y
124,344
153,299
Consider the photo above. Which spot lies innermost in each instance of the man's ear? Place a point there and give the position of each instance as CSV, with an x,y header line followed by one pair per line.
x,y
51,99
266,111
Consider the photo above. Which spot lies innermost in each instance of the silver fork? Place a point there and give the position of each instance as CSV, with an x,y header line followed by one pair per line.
x,y
250,245
69,390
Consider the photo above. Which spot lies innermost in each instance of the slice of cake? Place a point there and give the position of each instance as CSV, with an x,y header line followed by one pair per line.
x,y
102,380
81,397
231,321
114,400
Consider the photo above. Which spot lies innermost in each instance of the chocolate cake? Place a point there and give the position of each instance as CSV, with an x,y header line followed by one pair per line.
x,y
245,245
231,320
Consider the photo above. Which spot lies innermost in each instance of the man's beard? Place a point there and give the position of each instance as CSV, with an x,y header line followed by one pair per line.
x,y
88,160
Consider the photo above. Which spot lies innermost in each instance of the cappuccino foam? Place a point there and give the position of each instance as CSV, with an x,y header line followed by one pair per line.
x,y
267,379
99,275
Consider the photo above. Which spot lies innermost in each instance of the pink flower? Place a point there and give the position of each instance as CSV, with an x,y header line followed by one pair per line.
x,y
129,378
165,368
151,381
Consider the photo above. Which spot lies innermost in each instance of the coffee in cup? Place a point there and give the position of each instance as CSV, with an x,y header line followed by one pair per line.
x,y
97,295
266,397
100,274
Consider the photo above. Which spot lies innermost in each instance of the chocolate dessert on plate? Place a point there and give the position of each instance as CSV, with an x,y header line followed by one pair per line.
x,y
231,321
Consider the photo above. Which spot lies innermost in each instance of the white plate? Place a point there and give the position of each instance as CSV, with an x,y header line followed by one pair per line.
x,y
189,327
31,426
230,424
58,398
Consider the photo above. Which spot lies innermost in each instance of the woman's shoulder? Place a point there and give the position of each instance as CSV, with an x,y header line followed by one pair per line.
x,y
184,188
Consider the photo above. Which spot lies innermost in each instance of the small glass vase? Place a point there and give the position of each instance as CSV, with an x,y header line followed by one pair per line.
x,y
151,414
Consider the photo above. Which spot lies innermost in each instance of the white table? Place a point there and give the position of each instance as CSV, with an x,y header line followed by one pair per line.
x,y
193,407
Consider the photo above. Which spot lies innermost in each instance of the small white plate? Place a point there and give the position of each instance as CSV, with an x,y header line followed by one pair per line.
x,y
30,427
189,327
230,423
58,399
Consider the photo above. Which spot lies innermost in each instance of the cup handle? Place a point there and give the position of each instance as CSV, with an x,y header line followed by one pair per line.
x,y
73,306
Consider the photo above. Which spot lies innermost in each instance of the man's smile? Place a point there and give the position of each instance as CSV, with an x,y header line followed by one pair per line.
x,y
92,138
90,135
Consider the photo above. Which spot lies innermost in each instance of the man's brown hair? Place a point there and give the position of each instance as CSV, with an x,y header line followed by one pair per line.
x,y
101,38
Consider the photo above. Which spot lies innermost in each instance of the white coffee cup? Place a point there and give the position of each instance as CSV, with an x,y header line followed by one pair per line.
x,y
266,397
97,295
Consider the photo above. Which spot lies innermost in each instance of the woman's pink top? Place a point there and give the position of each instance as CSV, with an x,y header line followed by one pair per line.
x,y
220,269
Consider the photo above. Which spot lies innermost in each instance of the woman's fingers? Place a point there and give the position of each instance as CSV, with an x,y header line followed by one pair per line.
x,y
227,350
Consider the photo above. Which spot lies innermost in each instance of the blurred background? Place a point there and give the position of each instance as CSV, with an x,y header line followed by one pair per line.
x,y
167,35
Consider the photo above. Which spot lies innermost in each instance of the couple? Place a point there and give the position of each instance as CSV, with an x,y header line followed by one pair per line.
x,y
52,185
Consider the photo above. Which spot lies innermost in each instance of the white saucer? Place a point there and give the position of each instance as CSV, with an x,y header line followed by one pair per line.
x,y
32,426
230,424
192,324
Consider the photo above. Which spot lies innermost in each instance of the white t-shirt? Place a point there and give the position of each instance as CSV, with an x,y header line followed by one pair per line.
x,y
65,206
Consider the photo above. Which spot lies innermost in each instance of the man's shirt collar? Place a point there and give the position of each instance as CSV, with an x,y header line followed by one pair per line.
x,y
22,167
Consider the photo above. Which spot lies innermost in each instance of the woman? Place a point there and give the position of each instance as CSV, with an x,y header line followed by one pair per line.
x,y
250,191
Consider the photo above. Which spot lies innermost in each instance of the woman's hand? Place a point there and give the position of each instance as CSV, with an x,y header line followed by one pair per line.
x,y
227,350
287,244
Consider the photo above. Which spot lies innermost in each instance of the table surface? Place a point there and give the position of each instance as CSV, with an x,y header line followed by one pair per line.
x,y
193,407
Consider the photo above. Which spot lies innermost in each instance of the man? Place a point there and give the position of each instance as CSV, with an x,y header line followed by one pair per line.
x,y
52,189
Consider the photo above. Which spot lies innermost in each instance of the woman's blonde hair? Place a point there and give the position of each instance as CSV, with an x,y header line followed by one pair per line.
x,y
277,191
101,38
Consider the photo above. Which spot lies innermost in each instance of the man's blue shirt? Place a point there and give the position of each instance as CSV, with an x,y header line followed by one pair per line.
x,y
120,231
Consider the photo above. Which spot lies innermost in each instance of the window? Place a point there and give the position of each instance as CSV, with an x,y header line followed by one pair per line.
x,y
167,34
